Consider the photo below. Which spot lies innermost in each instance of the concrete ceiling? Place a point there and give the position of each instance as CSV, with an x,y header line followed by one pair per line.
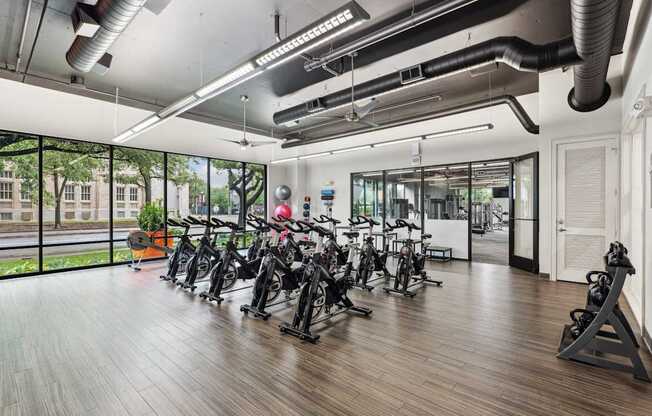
x,y
161,58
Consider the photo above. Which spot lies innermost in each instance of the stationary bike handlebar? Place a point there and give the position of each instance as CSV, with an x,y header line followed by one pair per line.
x,y
295,227
174,223
281,218
316,228
270,225
323,219
193,220
399,223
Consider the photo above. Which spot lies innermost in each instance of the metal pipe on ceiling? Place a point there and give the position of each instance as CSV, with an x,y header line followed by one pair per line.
x,y
594,24
431,13
513,51
509,100
19,54
113,17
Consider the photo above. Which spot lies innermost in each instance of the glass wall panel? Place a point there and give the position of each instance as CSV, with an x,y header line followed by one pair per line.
x,y
226,190
18,261
19,194
71,256
446,205
78,199
403,189
368,192
138,191
255,189
187,187
490,212
75,191
524,208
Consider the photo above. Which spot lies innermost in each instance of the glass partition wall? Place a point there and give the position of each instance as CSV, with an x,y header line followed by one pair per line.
x,y
68,204
490,206
464,206
446,206
368,195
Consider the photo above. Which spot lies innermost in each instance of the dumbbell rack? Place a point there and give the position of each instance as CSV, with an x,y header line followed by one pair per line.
x,y
595,344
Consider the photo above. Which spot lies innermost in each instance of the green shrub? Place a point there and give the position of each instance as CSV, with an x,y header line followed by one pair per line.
x,y
150,217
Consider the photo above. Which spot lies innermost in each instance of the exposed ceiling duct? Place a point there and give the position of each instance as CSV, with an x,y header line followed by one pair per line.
x,y
385,32
515,52
509,100
113,17
598,26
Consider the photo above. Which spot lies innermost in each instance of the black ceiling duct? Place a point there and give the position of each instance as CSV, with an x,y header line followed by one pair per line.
x,y
519,112
598,29
513,51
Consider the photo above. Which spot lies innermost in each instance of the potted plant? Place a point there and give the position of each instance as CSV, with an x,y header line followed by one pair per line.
x,y
150,220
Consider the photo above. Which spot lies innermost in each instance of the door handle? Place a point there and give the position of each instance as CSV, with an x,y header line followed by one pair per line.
x,y
561,230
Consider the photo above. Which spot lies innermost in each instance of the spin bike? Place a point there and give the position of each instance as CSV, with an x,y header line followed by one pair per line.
x,y
370,259
256,245
319,292
207,254
275,276
410,266
183,251
338,254
290,249
233,265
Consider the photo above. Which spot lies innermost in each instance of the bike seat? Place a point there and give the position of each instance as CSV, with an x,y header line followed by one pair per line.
x,y
426,236
351,234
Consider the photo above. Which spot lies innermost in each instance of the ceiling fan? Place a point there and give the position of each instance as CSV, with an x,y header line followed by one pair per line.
x,y
245,143
358,113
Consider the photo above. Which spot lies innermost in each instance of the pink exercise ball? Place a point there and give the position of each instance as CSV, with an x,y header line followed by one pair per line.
x,y
283,210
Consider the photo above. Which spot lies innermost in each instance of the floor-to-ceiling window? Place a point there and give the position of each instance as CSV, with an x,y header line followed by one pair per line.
x,y
75,188
19,199
138,198
89,196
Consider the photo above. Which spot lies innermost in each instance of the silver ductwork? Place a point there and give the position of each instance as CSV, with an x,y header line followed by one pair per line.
x,y
113,17
594,24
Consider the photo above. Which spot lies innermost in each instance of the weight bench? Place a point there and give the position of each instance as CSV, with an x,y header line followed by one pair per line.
x,y
446,253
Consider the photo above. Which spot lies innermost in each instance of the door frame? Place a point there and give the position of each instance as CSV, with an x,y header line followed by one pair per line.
x,y
515,261
554,153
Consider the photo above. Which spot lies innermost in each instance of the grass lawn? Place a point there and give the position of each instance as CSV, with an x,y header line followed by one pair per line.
x,y
88,258
63,261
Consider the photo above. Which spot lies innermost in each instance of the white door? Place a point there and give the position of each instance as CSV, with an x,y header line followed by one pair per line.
x,y
587,206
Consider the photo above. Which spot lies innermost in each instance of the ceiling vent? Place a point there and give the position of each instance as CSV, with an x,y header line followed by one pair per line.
x,y
412,74
315,105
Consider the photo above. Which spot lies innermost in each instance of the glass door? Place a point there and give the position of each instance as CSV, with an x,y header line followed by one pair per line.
x,y
524,213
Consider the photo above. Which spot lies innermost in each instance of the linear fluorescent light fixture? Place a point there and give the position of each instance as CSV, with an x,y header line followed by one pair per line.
x,y
150,121
399,141
178,106
351,149
289,159
471,129
314,155
463,130
341,20
123,137
237,74
326,28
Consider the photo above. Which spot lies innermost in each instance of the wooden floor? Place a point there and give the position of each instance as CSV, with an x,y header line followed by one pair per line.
x,y
114,342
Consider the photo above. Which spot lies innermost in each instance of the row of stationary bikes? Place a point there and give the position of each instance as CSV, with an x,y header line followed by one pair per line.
x,y
294,263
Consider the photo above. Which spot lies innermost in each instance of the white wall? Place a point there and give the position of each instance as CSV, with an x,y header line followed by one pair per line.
x,y
638,223
548,107
31,109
